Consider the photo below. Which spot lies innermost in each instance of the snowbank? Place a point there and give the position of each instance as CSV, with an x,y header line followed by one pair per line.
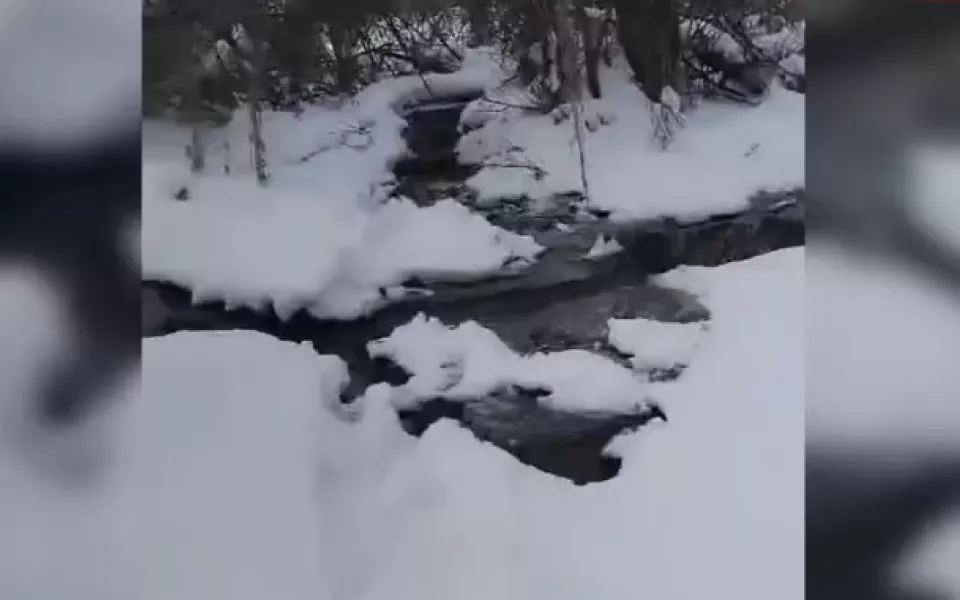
x,y
469,362
322,236
289,250
225,447
654,344
723,155
342,150
241,456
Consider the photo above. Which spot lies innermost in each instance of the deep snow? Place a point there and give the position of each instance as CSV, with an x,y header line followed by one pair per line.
x,y
724,154
468,361
252,473
235,458
719,157
324,236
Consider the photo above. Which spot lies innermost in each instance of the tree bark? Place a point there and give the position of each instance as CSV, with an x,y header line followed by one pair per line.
x,y
193,98
255,101
568,69
649,32
343,54
590,31
478,12
255,95
196,152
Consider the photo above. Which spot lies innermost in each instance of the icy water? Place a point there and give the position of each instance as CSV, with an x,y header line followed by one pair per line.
x,y
561,302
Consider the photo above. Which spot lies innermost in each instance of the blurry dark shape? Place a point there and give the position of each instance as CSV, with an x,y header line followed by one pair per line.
x,y
875,65
742,81
860,522
66,213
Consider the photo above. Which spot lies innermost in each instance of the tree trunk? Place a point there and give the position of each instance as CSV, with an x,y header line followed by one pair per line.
x,y
254,102
568,67
196,151
590,30
192,109
343,55
478,12
649,32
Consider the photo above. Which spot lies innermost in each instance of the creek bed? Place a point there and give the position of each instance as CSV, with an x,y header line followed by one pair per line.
x,y
561,302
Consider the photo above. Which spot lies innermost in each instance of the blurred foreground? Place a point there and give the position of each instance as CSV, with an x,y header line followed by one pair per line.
x,y
883,450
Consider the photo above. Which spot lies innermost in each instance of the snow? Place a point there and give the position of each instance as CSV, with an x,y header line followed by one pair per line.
x,y
349,148
291,250
251,473
720,41
710,167
707,169
603,247
242,476
774,45
224,459
794,64
468,362
655,344
323,236
779,44
235,474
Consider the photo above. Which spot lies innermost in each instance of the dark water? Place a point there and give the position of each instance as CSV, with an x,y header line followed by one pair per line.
x,y
561,302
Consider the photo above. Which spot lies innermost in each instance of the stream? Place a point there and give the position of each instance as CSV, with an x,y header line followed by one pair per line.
x,y
559,303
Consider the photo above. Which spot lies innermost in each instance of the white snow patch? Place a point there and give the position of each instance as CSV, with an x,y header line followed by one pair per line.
x,y
671,99
794,64
468,361
716,39
722,155
322,236
248,474
783,43
288,250
223,465
603,247
655,344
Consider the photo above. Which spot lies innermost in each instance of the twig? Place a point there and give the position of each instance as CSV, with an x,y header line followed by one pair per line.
x,y
529,107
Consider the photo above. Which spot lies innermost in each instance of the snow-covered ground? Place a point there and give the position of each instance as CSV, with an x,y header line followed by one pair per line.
x,y
323,236
723,155
257,484
293,250
468,362
235,473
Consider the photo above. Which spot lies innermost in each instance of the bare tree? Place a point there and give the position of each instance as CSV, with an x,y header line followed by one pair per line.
x,y
571,82
649,33
252,55
478,12
590,21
